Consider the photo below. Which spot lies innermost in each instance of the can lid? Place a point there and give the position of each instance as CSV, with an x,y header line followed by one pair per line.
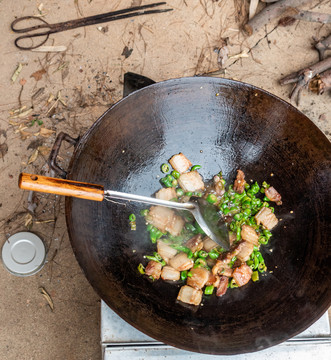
x,y
23,254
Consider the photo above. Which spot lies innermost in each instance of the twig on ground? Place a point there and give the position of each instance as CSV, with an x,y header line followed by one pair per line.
x,y
322,46
313,16
271,12
303,77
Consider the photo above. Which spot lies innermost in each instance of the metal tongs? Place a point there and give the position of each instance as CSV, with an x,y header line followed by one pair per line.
x,y
204,213
73,24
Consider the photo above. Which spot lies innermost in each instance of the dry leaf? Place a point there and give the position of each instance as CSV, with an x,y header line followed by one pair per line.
x,y
48,298
46,132
44,150
38,74
17,72
24,134
3,150
33,157
22,82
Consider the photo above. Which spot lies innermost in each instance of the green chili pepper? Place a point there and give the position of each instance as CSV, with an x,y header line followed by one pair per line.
x,y
233,284
263,240
165,168
189,274
209,290
255,276
174,183
132,217
188,193
141,268
197,194
195,167
247,186
144,212
170,178
166,182
213,254
190,227
183,249
226,211
265,185
262,267
183,275
266,198
267,234
202,254
238,216
175,174
211,198
179,192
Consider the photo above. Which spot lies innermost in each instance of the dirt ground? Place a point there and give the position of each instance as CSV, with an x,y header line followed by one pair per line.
x,y
68,90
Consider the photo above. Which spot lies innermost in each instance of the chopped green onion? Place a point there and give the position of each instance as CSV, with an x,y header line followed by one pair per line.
x,y
255,276
211,198
141,268
209,290
195,167
197,194
165,168
189,274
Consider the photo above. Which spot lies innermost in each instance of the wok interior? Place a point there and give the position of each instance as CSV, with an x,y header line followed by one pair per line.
x,y
222,125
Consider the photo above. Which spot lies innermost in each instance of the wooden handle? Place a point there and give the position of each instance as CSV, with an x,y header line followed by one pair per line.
x,y
61,187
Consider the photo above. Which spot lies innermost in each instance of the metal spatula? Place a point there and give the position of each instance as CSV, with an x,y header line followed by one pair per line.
x,y
205,214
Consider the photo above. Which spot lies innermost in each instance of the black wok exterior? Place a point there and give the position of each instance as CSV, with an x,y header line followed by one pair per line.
x,y
222,125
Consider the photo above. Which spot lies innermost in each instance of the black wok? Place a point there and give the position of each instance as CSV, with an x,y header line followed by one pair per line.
x,y
222,125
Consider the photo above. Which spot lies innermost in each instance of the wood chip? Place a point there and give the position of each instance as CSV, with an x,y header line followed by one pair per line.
x,y
48,298
17,72
59,48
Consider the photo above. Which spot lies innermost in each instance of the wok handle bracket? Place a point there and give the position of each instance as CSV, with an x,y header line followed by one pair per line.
x,y
52,160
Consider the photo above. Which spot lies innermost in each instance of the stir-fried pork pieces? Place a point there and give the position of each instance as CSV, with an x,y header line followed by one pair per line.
x,y
195,243
180,163
166,251
191,181
169,273
246,249
242,274
166,194
267,218
153,269
273,195
249,234
165,219
209,244
181,262
186,255
222,286
198,278
239,183
190,295
218,186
